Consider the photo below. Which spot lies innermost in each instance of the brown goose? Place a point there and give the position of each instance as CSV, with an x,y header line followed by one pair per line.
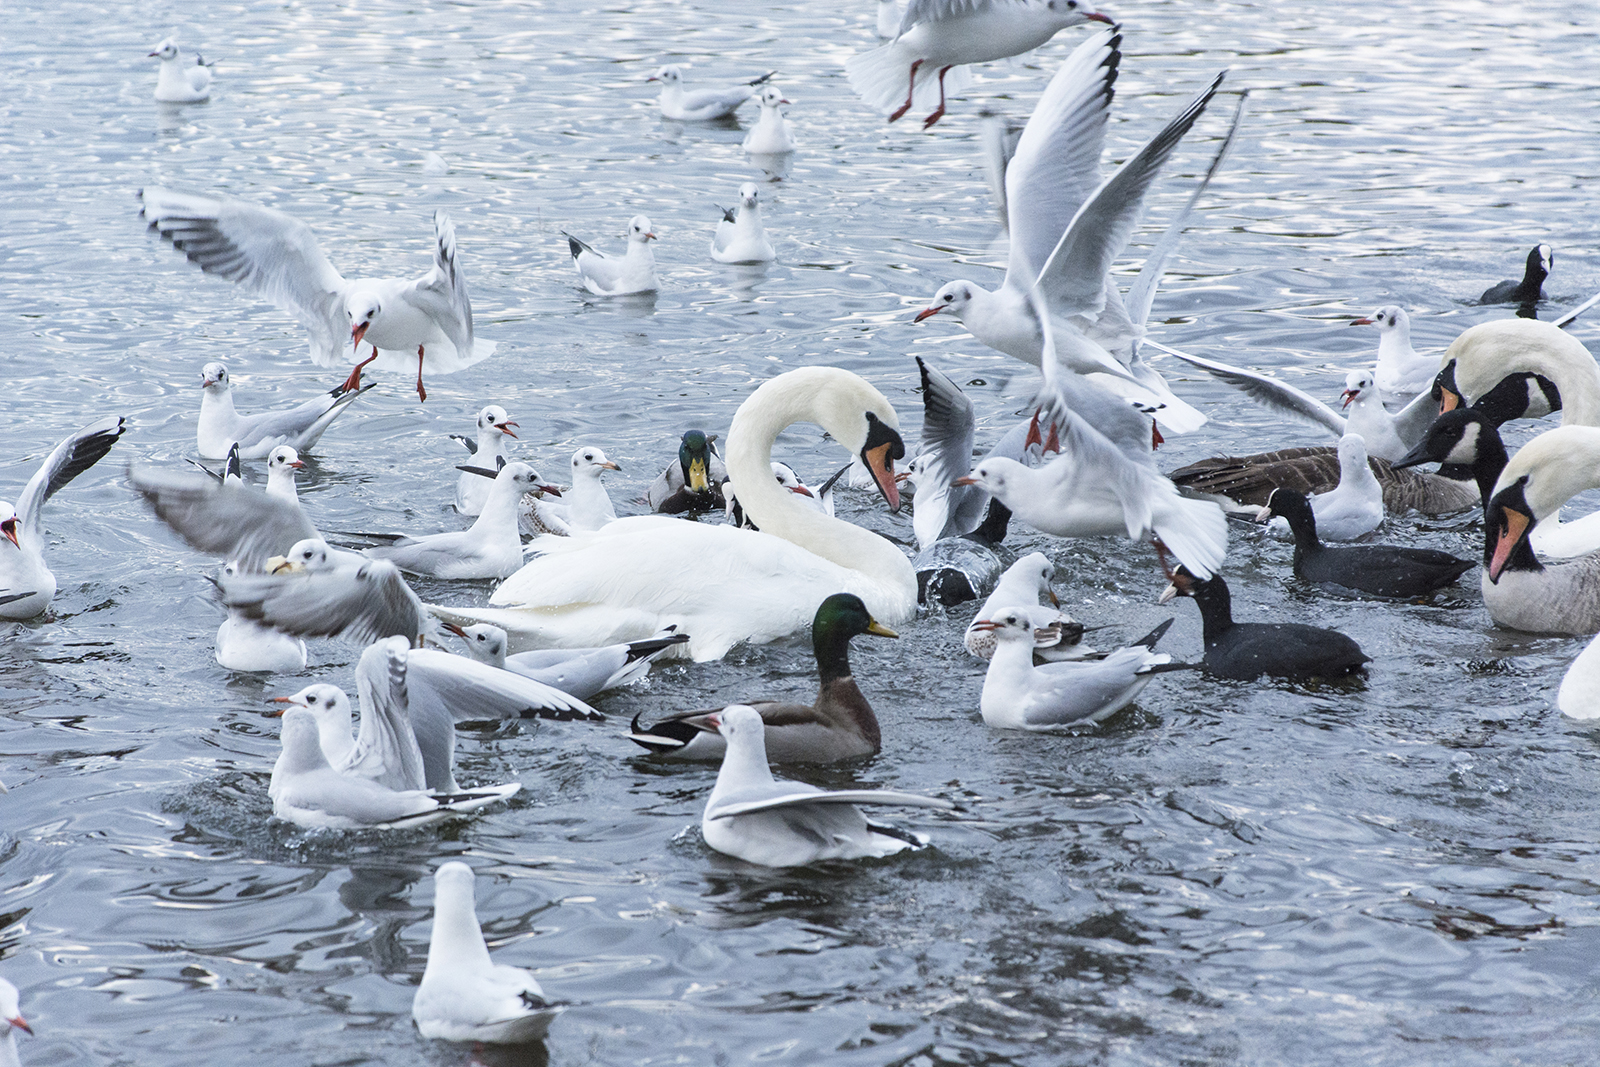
x,y
1251,480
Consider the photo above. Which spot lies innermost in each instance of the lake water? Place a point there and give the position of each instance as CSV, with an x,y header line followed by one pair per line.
x,y
1397,873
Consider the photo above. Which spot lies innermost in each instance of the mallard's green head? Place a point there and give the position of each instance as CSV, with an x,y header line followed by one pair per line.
x,y
694,456
838,619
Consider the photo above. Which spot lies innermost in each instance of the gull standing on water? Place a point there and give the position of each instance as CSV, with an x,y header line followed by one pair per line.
x,y
702,104
275,256
180,82
1055,635
635,272
490,548
1402,372
740,237
26,582
588,504
465,996
300,427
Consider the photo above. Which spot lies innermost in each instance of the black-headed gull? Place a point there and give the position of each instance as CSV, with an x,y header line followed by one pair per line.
x,y
701,104
1351,509
245,645
10,1019
1056,636
221,426
937,36
740,237
603,275
1530,290
488,456
588,504
756,818
579,672
1402,372
1067,228
1019,695
694,482
315,591
838,725
490,548
464,995
180,82
889,15
26,582
771,135
273,255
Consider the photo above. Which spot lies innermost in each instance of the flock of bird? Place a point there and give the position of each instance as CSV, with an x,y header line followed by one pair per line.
x,y
595,598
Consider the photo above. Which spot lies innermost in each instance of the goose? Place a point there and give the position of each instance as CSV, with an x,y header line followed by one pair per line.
x,y
1021,695
10,1019
273,255
1520,369
701,105
1579,695
1067,227
756,818
635,272
27,585
588,505
1520,592
771,135
740,237
694,482
1401,371
1056,636
488,454
1530,290
221,426
179,82
1382,570
838,725
465,996
1467,438
1247,650
490,548
719,584
579,672
935,37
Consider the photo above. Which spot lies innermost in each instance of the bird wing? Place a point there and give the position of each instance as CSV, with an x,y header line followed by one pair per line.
x,y
362,602
948,430
66,461
936,10
263,250
1269,391
1074,274
229,520
1412,421
1056,164
789,798
441,294
386,749
475,691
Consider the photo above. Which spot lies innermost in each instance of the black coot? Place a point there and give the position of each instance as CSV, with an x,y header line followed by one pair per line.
x,y
1246,650
1531,288
1382,570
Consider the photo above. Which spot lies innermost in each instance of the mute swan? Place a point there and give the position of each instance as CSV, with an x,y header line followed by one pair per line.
x,y
722,585
1520,369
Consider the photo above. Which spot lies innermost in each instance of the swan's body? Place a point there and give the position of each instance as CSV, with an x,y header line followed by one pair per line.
x,y
1579,695
722,585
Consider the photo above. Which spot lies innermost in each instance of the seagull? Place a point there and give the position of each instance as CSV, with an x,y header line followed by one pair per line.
x,y
26,583
756,818
580,672
1017,695
935,36
464,996
301,426
1056,636
180,83
275,256
588,504
1353,508
702,104
314,591
490,548
771,135
740,237
1402,372
10,1019
889,16
245,645
694,482
1068,227
494,426
635,272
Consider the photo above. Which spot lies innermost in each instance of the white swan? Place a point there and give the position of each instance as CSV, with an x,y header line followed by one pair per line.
x,y
1511,367
722,585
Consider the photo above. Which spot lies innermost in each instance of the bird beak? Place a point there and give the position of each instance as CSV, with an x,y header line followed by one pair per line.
x,y
698,482
1361,322
902,476
358,333
453,628
9,528
985,625
1055,601
882,468
609,466
652,77
278,714
650,237
1517,523
297,464
968,480
18,1021
1449,400
1264,513
505,428
783,101
1348,395
553,490
714,720
1167,594
925,312
800,490
1097,17
280,564
876,627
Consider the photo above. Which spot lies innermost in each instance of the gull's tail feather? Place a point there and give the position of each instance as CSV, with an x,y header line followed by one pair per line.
x,y
881,76
1196,531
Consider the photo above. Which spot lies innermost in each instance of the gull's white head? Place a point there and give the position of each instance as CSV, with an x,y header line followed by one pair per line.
x,y
1008,625
309,555
485,643
669,77
214,377
741,726
639,230
953,297
995,475
1037,566
591,462
749,196
10,525
1352,453
328,704
772,96
285,461
1389,317
166,50
493,418
1073,12
11,1010
362,306
1357,383
787,477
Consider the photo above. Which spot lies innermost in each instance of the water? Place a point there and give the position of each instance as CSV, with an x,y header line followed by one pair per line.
x,y
1394,873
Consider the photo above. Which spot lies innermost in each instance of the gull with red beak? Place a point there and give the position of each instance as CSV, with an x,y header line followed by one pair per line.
x,y
771,135
221,426
277,257
701,105
10,1019
635,272
26,583
488,455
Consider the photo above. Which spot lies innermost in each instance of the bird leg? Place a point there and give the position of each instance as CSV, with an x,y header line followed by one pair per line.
x,y
909,93
939,114
1033,437
1156,440
1053,444
354,381
1166,565
422,394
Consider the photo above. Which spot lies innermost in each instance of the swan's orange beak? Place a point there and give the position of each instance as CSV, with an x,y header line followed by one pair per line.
x,y
1516,524
1449,400
882,467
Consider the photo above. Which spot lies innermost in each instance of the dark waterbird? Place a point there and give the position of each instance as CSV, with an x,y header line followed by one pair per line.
x,y
1531,288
